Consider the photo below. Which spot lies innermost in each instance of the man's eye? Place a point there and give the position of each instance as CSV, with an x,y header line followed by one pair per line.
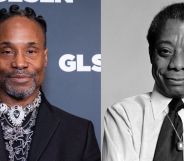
x,y
165,52
7,52
31,51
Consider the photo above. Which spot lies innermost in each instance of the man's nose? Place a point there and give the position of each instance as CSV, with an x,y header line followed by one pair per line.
x,y
177,61
19,61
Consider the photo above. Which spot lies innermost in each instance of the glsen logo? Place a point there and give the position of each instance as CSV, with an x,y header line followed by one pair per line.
x,y
41,1
71,63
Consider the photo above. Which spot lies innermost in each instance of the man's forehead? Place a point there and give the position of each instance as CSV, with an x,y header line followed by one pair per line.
x,y
20,26
173,23
21,31
20,21
9,43
173,28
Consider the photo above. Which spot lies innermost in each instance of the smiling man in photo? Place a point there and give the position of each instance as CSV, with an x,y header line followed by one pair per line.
x,y
31,129
149,127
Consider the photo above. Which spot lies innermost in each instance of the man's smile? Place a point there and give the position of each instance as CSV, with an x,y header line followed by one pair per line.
x,y
20,78
177,81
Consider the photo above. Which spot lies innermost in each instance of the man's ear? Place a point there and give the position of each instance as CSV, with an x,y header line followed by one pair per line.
x,y
45,57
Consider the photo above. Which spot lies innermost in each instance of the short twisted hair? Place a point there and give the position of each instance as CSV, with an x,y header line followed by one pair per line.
x,y
173,11
28,12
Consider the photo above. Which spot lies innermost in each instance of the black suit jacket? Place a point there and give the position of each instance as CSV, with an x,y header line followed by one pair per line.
x,y
59,136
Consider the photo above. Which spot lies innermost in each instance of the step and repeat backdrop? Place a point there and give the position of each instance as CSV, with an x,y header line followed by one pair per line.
x,y
72,80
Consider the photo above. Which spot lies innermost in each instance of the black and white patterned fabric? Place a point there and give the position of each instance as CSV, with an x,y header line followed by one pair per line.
x,y
18,138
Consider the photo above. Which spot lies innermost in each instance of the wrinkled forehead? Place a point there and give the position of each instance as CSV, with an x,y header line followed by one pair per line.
x,y
172,30
173,24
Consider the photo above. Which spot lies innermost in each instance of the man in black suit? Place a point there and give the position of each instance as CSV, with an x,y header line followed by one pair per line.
x,y
31,129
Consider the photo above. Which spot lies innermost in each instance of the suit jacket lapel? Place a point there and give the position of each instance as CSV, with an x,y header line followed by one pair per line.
x,y
46,125
3,152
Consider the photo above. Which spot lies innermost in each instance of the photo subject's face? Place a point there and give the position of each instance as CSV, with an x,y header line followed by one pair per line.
x,y
23,56
168,59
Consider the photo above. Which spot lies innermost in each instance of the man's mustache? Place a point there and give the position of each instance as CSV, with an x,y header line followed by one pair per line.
x,y
19,72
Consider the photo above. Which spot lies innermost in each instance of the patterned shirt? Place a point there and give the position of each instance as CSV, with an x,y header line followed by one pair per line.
x,y
18,138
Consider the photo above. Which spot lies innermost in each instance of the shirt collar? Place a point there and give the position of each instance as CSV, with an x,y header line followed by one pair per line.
x,y
159,102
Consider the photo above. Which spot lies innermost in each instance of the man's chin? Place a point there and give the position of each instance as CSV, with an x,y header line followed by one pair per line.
x,y
21,92
175,92
19,95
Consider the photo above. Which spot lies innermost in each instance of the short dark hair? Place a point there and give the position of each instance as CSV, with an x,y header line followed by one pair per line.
x,y
14,10
173,11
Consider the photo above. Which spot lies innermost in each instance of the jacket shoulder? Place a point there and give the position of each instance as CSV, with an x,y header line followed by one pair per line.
x,y
69,118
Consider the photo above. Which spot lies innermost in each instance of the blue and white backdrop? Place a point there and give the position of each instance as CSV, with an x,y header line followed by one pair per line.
x,y
73,39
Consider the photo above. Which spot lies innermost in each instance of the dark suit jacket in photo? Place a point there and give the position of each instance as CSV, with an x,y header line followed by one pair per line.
x,y
59,136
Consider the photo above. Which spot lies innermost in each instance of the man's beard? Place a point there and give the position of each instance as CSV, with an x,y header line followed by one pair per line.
x,y
14,91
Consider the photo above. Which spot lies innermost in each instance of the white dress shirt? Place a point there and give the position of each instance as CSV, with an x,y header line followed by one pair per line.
x,y
132,126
